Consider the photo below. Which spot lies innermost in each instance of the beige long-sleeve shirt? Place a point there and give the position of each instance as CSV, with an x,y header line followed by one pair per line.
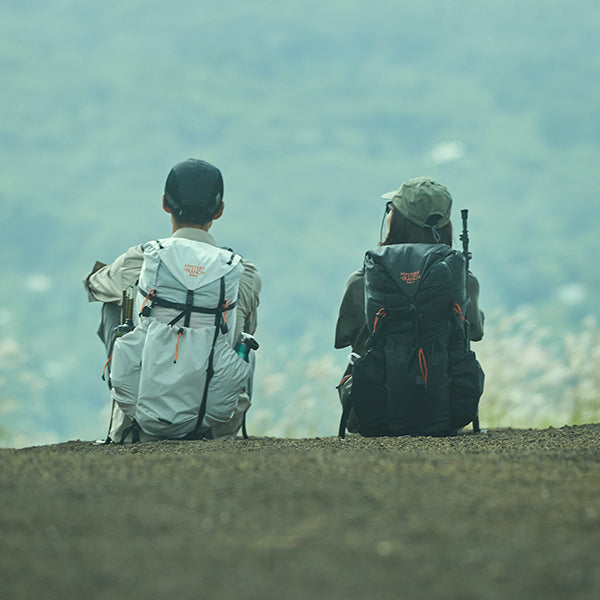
x,y
107,283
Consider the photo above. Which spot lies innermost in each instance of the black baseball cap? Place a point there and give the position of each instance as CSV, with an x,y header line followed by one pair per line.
x,y
194,185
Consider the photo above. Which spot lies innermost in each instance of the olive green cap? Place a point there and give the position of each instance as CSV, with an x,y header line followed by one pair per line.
x,y
421,198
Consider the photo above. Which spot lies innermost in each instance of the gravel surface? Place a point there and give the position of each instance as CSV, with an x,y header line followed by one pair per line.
x,y
503,514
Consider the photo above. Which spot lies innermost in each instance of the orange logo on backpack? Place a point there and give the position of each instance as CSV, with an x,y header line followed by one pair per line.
x,y
410,277
194,270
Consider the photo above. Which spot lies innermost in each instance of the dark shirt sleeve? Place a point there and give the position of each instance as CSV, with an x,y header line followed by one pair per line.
x,y
473,314
351,327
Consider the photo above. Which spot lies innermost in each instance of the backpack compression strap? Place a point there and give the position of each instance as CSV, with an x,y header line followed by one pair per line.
x,y
346,408
209,369
186,308
134,430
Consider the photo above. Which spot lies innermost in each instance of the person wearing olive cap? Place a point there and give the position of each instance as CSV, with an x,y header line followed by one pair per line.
x,y
419,212
193,198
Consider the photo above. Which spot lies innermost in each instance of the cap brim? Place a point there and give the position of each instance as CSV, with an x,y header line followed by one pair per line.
x,y
389,195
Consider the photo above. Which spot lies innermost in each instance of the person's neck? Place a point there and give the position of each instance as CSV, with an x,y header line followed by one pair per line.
x,y
204,227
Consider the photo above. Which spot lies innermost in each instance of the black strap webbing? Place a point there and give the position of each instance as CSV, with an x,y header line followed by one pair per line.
x,y
244,430
344,419
134,430
156,301
209,369
189,303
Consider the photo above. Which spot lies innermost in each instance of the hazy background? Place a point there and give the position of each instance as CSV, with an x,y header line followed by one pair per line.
x,y
312,110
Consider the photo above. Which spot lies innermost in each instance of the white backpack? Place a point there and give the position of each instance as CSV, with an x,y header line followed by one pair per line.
x,y
177,373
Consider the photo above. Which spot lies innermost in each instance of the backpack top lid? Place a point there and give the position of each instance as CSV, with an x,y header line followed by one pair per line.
x,y
175,264
405,278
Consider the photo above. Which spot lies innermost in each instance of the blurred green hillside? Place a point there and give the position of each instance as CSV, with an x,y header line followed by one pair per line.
x,y
312,110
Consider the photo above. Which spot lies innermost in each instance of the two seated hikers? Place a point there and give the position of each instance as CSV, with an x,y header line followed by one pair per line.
x,y
409,315
176,374
175,311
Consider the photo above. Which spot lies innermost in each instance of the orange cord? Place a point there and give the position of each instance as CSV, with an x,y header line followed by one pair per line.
x,y
149,295
343,381
177,345
226,307
380,315
106,367
423,365
458,311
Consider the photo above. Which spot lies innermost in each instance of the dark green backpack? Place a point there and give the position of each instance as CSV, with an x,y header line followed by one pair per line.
x,y
418,376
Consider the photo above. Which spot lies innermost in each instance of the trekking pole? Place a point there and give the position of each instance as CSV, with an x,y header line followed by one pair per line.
x,y
126,313
464,238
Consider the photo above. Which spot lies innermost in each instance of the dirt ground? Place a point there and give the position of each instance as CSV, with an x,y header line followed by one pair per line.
x,y
504,514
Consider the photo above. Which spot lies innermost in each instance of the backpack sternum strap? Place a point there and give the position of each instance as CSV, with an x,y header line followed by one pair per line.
x,y
186,307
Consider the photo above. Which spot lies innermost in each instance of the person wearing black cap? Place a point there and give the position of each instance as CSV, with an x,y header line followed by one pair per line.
x,y
193,197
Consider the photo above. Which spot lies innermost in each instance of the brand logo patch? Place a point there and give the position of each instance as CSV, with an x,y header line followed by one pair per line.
x,y
194,270
410,277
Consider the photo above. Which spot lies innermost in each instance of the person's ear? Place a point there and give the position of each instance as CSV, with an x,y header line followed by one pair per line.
x,y
165,206
220,212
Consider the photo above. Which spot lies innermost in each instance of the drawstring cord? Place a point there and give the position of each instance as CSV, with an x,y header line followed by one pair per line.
x,y
344,379
106,367
225,309
381,313
149,296
458,311
179,333
423,365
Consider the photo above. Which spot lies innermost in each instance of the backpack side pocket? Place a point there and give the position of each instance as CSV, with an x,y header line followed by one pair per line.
x,y
466,387
368,395
230,378
126,368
